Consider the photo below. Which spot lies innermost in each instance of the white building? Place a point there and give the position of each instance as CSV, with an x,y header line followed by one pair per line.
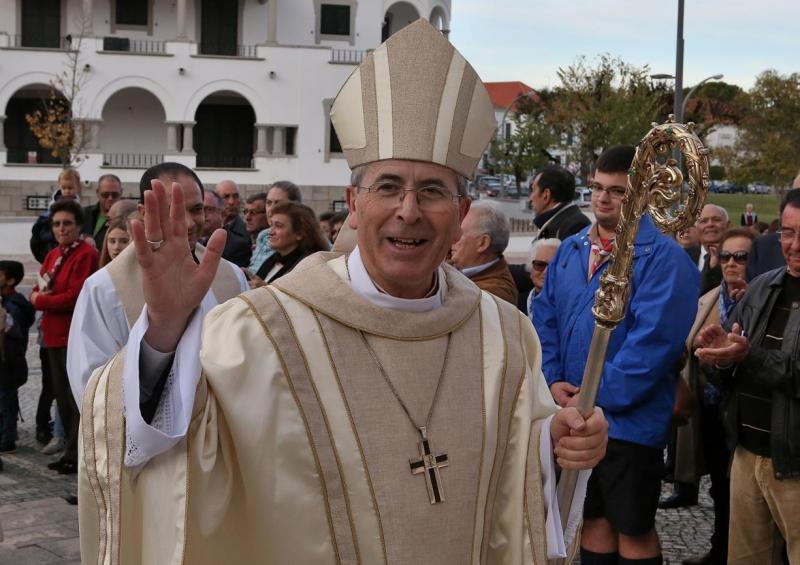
x,y
237,90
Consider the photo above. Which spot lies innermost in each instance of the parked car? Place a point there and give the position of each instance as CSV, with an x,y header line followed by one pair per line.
x,y
583,196
759,188
491,186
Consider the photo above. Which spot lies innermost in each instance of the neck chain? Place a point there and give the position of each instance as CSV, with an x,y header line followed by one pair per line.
x,y
429,463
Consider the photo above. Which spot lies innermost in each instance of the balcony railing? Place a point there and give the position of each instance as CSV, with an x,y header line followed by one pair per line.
x,y
347,56
20,41
127,45
132,160
229,50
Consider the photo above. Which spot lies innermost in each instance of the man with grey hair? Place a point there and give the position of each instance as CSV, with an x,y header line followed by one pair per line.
x,y
479,252
713,222
241,250
542,252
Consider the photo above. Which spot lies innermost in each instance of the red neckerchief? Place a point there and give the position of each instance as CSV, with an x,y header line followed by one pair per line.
x,y
602,249
66,251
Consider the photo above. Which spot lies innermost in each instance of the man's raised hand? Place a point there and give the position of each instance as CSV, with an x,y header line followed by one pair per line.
x,y
173,284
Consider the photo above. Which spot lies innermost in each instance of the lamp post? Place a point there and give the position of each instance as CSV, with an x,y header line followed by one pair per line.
x,y
527,94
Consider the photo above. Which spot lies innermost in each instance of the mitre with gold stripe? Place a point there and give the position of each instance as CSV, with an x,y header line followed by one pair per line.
x,y
415,97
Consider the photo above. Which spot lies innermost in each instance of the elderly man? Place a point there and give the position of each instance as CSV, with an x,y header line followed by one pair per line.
x,y
713,222
280,191
122,209
239,250
95,217
637,390
334,419
756,356
111,299
478,253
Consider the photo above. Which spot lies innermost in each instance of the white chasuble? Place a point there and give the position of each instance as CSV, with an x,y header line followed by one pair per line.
x,y
298,452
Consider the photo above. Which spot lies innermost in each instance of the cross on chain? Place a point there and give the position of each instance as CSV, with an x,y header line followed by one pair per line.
x,y
428,465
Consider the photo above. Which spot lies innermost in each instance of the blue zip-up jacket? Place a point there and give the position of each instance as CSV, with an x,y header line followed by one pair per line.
x,y
637,389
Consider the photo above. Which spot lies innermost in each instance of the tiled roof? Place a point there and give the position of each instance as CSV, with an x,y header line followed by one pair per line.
x,y
503,93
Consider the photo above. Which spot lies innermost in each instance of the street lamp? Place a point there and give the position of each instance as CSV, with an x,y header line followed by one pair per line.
x,y
679,115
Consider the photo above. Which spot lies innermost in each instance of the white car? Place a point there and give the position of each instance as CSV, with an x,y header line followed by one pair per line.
x,y
583,196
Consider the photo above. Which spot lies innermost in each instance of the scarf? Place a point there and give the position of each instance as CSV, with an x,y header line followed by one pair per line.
x,y
601,249
65,252
726,304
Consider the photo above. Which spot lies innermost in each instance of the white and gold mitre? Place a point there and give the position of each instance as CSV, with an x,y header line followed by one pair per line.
x,y
415,97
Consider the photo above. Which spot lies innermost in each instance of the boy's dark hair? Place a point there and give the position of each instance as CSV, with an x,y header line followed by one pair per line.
x,y
70,206
617,159
169,169
791,198
12,270
559,181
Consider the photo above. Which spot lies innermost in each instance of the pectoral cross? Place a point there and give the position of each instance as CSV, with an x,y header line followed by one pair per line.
x,y
428,465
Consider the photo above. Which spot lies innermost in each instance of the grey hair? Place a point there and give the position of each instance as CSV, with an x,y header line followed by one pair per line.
x,y
492,221
553,242
217,198
722,211
357,174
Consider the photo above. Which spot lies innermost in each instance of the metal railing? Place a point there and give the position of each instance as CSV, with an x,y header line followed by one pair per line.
x,y
132,160
21,41
250,51
227,50
126,45
522,225
347,56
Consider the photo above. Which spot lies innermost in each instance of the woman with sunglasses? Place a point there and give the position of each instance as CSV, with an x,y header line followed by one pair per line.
x,y
701,445
542,252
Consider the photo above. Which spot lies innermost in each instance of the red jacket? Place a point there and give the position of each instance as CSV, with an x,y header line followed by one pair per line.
x,y
57,306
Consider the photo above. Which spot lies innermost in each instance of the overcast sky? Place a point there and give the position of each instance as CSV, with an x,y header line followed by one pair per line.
x,y
528,40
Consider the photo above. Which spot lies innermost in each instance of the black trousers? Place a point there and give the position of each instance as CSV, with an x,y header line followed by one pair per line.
x,y
717,457
67,408
43,422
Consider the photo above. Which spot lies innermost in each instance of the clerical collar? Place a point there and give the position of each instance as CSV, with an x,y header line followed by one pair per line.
x,y
470,272
363,285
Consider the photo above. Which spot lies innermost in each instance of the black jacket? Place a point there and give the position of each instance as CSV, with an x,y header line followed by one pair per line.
x,y
778,370
765,255
288,262
238,248
709,278
13,365
561,222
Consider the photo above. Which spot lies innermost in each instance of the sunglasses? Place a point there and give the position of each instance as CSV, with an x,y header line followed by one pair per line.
x,y
738,256
539,266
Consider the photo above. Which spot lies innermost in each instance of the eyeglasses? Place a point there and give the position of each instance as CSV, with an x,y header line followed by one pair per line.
x,y
253,212
738,256
109,195
614,192
430,197
539,266
787,235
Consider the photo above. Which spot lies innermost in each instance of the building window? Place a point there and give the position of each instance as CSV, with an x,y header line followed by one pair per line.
x,y
336,20
41,23
131,13
333,147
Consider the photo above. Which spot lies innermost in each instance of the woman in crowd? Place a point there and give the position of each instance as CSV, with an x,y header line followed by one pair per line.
x,y
542,252
701,445
117,238
61,278
294,233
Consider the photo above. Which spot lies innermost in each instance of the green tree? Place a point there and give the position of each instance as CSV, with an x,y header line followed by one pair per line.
x,y
769,133
604,104
526,149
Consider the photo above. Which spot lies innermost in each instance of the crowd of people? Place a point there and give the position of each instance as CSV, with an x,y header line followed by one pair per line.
x,y
199,333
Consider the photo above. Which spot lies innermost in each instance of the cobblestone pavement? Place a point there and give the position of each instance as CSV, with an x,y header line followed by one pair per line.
x,y
40,527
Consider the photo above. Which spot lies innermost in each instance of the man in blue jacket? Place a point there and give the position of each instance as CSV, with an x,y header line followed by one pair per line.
x,y
637,390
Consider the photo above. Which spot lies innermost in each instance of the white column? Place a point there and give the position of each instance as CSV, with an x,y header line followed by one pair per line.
x,y
172,137
272,22
181,16
261,141
278,143
187,138
87,17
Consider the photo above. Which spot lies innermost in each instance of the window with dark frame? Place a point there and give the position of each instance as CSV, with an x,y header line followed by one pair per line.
x,y
291,138
131,12
334,20
334,145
